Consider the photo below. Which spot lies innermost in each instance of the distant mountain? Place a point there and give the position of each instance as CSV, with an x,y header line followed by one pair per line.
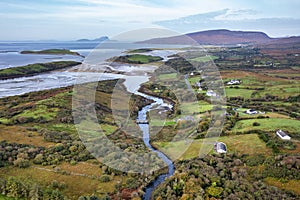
x,y
214,37
101,39
282,48
288,42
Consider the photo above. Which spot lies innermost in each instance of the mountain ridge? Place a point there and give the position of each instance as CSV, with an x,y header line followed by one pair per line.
x,y
215,37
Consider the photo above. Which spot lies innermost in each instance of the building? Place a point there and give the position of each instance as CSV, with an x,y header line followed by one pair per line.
x,y
251,112
220,147
198,84
211,93
283,135
234,82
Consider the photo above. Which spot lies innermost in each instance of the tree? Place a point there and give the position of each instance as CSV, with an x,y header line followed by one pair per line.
x,y
39,159
214,191
22,163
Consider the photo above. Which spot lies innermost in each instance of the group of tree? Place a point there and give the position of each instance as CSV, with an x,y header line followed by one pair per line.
x,y
24,189
222,177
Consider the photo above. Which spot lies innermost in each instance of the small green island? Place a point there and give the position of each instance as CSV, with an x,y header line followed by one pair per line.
x,y
143,50
33,69
52,52
137,59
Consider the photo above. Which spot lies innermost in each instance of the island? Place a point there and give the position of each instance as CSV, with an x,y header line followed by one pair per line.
x,y
100,39
136,59
33,69
52,52
142,50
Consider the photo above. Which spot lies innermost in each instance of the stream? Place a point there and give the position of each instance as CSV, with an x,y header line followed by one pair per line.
x,y
142,116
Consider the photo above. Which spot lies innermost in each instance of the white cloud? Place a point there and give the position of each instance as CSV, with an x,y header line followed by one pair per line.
x,y
119,15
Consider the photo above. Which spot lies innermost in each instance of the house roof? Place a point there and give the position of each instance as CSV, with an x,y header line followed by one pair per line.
x,y
220,146
281,133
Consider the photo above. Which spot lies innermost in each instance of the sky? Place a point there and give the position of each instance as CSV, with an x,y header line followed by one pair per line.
x,y
76,19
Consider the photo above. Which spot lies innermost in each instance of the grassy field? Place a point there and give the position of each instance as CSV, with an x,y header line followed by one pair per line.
x,y
68,128
194,80
193,107
171,76
291,185
245,144
205,58
138,58
268,124
283,90
233,92
40,111
20,134
80,179
157,122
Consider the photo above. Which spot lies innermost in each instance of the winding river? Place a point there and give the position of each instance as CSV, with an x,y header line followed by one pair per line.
x,y
142,116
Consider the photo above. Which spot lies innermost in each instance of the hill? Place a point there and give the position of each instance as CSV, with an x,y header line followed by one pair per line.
x,y
214,37
282,48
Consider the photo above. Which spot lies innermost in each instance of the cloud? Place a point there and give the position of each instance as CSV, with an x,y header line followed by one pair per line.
x,y
121,15
238,14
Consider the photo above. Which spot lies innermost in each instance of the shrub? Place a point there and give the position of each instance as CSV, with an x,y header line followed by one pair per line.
x,y
214,191
256,124
264,137
104,179
22,163
39,159
131,183
255,160
73,162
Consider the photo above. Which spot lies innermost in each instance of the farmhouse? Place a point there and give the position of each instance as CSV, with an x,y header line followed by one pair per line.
x,y
198,84
283,135
211,93
234,82
251,112
220,147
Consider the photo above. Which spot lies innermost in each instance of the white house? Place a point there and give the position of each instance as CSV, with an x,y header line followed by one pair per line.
x,y
220,147
283,135
211,93
234,82
198,84
251,112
